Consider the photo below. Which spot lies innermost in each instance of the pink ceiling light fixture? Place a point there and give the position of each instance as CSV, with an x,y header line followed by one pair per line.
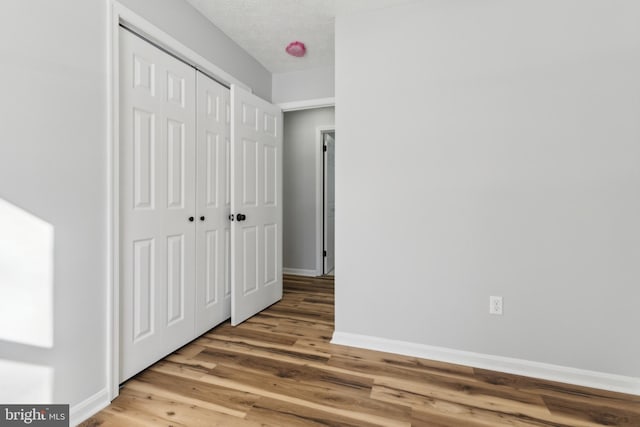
x,y
296,49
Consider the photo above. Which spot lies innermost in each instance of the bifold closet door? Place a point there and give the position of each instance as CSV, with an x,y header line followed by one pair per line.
x,y
256,203
213,203
157,203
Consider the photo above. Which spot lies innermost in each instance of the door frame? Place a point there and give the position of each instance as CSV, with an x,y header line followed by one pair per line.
x,y
320,131
308,105
118,14
324,206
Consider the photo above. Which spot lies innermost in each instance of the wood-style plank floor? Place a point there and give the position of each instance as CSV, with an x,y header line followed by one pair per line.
x,y
279,369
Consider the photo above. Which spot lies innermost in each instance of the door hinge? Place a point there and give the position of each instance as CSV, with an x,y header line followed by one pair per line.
x,y
324,148
324,253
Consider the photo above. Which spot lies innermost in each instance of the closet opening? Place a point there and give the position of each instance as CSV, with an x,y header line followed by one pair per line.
x,y
195,213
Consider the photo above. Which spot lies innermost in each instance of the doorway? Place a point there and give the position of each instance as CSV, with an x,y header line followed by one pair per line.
x,y
303,189
329,201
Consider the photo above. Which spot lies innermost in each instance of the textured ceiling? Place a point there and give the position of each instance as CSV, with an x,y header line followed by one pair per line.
x,y
265,27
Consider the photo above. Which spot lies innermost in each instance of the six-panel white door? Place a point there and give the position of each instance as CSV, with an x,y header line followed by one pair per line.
x,y
256,203
213,203
157,203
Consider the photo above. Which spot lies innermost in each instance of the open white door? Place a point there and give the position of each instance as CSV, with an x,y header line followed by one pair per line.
x,y
329,202
256,204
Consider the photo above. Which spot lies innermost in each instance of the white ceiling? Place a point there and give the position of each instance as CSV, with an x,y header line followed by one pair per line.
x,y
265,27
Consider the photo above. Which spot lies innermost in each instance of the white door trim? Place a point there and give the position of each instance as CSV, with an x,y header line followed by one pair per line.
x,y
326,207
320,130
307,104
117,14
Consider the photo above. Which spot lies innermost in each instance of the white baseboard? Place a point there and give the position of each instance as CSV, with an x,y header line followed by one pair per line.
x,y
89,407
563,374
299,272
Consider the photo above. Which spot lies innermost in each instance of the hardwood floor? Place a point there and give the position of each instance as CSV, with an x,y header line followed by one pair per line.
x,y
279,369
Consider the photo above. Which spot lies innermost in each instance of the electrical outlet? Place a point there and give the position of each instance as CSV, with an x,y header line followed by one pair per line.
x,y
495,305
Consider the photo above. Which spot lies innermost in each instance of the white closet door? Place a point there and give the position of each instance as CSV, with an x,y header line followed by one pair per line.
x,y
256,202
213,201
157,196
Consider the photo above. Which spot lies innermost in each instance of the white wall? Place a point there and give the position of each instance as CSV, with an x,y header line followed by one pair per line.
x,y
314,83
53,174
299,185
53,166
183,22
493,149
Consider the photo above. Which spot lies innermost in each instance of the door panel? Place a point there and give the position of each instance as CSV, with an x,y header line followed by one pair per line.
x,y
175,279
256,188
213,169
144,141
271,251
270,180
249,172
212,277
157,242
227,273
213,302
175,164
144,287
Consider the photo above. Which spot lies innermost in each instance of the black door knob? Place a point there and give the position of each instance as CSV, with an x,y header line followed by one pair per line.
x,y
241,217
201,218
191,219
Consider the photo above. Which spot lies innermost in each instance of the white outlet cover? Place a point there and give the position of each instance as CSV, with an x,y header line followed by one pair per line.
x,y
495,305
